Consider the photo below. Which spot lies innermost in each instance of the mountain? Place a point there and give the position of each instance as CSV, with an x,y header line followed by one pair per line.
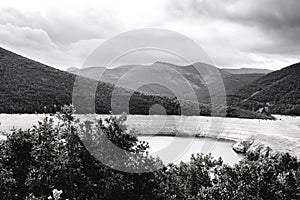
x,y
247,71
28,86
188,80
278,91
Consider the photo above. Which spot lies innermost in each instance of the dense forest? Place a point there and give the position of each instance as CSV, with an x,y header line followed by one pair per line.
x,y
279,91
50,161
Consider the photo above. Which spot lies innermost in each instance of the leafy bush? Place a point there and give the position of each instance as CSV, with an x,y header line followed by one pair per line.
x,y
51,156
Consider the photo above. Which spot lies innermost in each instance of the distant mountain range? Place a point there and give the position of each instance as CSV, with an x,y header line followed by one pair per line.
x,y
251,89
198,75
247,71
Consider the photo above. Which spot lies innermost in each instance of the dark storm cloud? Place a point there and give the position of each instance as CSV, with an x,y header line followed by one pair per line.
x,y
272,14
278,20
267,13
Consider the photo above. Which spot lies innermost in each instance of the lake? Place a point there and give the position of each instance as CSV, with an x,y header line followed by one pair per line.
x,y
281,135
176,149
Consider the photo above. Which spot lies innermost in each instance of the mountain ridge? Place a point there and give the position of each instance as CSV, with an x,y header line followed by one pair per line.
x,y
199,75
245,70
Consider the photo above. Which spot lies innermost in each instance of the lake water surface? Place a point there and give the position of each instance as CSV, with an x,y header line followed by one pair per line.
x,y
176,149
281,135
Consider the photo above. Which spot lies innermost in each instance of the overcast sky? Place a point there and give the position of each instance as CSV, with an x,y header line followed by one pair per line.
x,y
234,33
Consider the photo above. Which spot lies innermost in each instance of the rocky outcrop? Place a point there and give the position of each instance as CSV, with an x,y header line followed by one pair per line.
x,y
242,146
251,145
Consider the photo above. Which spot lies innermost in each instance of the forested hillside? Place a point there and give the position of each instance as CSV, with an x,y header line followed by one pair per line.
x,y
279,91
28,86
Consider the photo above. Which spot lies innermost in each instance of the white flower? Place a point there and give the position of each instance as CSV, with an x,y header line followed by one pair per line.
x,y
56,194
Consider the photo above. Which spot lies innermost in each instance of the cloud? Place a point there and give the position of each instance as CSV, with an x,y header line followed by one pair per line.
x,y
62,26
25,36
270,27
235,33
36,44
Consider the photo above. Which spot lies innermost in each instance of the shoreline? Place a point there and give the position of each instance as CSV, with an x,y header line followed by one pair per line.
x,y
281,135
196,136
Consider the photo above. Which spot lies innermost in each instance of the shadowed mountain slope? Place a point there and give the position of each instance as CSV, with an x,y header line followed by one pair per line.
x,y
279,91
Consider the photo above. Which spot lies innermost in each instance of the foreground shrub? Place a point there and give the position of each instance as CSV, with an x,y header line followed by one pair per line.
x,y
51,156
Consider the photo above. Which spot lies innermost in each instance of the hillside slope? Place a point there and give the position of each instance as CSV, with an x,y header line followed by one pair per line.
x,y
28,86
279,90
